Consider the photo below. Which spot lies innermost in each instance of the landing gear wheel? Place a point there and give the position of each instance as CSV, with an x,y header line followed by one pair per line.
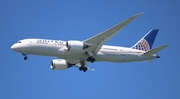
x,y
91,59
83,68
25,58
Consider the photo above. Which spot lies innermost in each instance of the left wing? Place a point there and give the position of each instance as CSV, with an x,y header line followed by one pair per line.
x,y
98,40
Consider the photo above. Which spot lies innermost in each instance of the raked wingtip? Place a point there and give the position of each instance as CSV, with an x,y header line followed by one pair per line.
x,y
138,14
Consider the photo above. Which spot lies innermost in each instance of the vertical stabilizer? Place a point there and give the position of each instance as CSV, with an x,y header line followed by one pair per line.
x,y
147,41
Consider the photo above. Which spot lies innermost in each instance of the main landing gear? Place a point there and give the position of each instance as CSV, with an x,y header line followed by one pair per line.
x,y
90,58
25,56
83,67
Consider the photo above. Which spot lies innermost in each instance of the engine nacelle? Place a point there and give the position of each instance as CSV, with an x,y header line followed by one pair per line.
x,y
75,45
59,64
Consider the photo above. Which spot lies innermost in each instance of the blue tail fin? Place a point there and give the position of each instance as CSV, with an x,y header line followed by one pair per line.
x,y
147,41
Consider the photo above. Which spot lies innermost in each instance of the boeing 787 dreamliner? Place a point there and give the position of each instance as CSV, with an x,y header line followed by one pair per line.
x,y
80,53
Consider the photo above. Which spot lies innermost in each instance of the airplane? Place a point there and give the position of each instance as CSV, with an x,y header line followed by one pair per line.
x,y
80,53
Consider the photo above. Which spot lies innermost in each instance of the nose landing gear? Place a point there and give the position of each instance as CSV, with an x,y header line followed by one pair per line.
x,y
25,56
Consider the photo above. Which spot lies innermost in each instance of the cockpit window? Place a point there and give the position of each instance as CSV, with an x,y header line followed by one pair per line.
x,y
19,42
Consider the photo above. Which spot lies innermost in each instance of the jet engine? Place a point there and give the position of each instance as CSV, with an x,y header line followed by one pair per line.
x,y
75,45
59,64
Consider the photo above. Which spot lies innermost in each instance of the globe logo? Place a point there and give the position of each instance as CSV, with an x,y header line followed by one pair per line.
x,y
142,45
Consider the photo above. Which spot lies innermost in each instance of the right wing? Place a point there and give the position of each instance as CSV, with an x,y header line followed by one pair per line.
x,y
98,40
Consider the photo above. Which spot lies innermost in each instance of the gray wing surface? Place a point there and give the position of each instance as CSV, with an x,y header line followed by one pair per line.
x,y
98,40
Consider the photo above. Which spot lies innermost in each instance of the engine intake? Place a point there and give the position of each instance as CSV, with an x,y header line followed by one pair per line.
x,y
75,45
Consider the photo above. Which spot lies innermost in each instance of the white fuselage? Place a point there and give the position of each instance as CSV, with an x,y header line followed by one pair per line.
x,y
58,49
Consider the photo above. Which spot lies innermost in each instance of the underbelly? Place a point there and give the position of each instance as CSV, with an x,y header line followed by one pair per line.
x,y
122,57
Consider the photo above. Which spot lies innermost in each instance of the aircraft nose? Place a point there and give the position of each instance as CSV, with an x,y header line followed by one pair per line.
x,y
18,47
14,47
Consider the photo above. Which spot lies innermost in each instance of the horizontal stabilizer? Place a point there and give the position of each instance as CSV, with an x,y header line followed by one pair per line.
x,y
156,50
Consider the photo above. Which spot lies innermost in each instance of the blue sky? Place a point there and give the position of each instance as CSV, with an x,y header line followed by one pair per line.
x,y
69,20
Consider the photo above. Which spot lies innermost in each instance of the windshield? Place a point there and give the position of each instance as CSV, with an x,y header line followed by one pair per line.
x,y
19,42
